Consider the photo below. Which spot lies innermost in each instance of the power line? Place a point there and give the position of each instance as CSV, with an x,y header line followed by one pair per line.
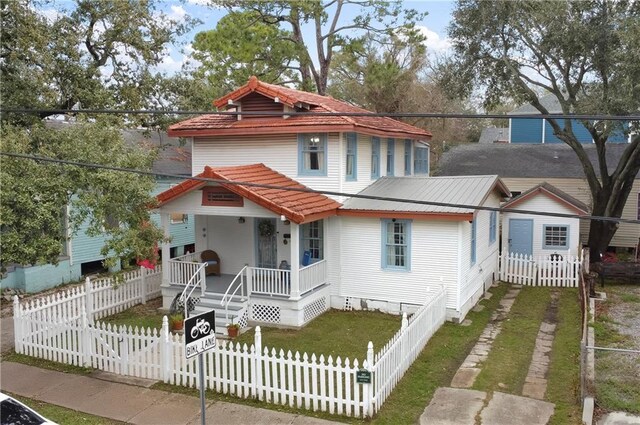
x,y
307,190
599,117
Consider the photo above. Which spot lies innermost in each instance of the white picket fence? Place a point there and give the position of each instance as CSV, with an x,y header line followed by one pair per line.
x,y
298,380
557,270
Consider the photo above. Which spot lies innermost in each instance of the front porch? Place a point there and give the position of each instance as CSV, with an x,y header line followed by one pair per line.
x,y
258,281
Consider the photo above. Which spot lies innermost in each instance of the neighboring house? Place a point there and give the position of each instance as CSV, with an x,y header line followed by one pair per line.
x,y
542,235
527,130
524,166
287,256
81,253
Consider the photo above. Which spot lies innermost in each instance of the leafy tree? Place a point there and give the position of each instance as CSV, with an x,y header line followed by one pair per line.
x,y
583,53
38,198
97,54
241,45
332,31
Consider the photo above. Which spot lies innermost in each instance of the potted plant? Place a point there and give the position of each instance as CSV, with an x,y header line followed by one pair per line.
x,y
176,321
233,329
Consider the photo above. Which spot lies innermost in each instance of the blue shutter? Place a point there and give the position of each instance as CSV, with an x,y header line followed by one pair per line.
x,y
408,145
391,147
351,163
375,158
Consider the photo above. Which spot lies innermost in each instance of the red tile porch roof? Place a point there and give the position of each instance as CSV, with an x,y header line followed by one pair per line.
x,y
299,207
211,125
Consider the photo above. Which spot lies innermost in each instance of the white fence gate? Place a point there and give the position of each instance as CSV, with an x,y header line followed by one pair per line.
x,y
551,270
294,379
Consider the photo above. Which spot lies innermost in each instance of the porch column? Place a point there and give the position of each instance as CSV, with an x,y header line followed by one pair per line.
x,y
295,261
165,223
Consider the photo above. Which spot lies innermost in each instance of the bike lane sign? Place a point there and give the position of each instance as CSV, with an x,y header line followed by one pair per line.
x,y
199,333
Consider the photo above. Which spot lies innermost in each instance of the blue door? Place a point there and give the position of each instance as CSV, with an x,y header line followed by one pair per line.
x,y
521,236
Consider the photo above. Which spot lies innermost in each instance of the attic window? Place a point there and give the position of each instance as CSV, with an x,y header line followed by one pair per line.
x,y
221,197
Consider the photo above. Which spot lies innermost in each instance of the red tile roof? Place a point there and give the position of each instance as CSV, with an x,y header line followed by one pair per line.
x,y
299,207
208,125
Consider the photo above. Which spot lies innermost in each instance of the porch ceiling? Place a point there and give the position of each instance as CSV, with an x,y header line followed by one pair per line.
x,y
299,207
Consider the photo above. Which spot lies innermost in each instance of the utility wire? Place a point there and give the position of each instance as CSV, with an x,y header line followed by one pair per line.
x,y
603,117
307,190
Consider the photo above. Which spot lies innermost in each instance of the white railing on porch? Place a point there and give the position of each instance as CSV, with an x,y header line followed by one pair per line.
x,y
182,269
552,270
312,276
269,281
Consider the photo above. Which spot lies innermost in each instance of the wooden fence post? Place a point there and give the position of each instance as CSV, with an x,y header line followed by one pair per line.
x,y
368,388
165,350
88,299
143,285
257,364
403,328
17,325
85,337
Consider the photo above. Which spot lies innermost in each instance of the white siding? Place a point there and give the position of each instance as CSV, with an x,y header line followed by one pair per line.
x,y
191,203
434,250
279,152
486,265
627,234
544,204
364,165
333,252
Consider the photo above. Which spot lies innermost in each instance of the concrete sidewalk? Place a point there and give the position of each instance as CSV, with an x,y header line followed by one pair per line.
x,y
132,404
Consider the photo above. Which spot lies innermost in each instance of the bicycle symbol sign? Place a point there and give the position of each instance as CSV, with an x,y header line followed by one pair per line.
x,y
199,333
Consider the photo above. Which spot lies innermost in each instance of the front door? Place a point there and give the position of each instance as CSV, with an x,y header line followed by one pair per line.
x,y
521,236
266,243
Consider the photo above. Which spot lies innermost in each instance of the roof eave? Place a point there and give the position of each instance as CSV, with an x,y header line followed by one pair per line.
x,y
415,215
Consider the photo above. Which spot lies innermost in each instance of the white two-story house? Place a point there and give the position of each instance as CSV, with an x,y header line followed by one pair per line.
x,y
272,197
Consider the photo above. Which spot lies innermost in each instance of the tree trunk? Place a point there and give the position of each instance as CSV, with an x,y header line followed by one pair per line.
x,y
600,235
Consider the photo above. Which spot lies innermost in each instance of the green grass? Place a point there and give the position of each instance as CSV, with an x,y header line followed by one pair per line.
x,y
12,356
335,333
436,365
629,298
508,362
62,415
141,316
563,388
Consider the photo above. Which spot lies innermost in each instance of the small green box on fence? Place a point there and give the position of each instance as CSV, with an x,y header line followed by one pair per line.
x,y
363,377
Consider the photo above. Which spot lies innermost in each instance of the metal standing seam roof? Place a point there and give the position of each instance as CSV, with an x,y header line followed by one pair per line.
x,y
299,207
467,190
224,124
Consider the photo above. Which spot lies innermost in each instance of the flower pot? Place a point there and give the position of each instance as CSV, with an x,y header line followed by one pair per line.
x,y
177,325
232,332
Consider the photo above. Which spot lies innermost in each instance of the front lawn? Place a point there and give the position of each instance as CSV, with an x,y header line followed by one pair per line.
x,y
335,333
141,315
63,415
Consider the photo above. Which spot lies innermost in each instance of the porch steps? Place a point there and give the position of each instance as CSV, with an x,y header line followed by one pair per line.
x,y
211,301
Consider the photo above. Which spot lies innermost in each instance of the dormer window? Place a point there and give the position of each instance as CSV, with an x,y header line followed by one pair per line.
x,y
312,154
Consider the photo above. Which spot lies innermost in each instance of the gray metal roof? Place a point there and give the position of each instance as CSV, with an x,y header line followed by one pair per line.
x,y
522,160
173,157
549,101
493,134
468,190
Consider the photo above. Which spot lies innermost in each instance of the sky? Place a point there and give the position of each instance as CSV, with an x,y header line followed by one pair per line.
x,y
433,26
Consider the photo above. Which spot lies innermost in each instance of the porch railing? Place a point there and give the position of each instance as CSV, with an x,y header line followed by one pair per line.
x,y
182,269
269,281
312,276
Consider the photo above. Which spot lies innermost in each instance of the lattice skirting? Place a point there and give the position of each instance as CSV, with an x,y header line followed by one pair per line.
x,y
315,309
265,313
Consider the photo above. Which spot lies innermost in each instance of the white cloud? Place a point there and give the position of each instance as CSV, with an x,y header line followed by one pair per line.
x,y
435,44
50,15
177,13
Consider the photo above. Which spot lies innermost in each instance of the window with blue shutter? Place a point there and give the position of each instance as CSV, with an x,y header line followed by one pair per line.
x,y
421,161
396,244
391,147
375,158
312,154
351,171
408,147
